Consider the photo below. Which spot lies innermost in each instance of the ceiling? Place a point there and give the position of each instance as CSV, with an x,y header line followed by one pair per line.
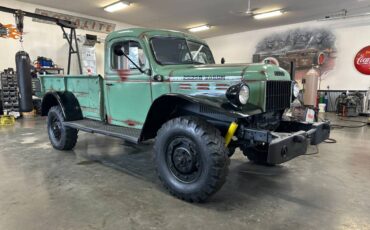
x,y
182,14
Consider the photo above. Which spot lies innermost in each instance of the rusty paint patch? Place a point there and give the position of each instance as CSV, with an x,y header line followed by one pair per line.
x,y
109,120
132,123
123,74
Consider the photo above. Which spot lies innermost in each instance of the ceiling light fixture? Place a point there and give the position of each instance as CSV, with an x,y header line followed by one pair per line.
x,y
199,28
116,6
268,14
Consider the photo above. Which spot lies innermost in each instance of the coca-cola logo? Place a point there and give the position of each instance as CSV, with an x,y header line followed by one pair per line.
x,y
362,61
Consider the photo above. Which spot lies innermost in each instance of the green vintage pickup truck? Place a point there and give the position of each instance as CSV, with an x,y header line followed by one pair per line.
x,y
165,85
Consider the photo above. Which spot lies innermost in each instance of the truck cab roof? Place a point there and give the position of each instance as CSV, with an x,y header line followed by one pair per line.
x,y
145,32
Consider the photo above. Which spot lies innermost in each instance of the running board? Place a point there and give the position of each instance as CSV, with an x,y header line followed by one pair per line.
x,y
91,126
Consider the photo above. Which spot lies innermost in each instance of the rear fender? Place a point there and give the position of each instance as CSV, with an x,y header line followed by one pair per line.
x,y
66,100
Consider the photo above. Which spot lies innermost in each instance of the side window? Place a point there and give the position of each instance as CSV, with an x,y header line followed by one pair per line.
x,y
133,50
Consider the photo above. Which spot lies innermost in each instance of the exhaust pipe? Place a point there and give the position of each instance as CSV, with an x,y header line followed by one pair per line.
x,y
23,65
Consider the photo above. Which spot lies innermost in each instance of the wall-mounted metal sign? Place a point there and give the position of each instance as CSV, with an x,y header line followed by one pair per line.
x,y
82,23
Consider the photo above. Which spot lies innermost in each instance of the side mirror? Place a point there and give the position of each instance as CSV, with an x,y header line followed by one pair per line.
x,y
118,51
223,61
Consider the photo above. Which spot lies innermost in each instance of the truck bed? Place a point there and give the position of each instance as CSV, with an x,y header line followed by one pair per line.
x,y
88,90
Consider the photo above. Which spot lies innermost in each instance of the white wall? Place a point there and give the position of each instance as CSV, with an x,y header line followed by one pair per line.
x,y
46,40
351,34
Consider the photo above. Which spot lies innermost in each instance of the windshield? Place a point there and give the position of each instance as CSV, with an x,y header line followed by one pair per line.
x,y
178,51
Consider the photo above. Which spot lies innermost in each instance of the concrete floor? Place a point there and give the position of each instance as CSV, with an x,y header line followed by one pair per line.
x,y
107,184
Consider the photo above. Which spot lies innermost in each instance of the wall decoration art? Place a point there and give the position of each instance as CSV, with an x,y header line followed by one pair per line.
x,y
305,47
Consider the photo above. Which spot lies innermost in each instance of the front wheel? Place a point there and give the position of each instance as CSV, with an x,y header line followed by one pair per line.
x,y
191,159
60,136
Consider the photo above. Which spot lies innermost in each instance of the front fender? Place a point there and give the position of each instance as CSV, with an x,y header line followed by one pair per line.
x,y
169,106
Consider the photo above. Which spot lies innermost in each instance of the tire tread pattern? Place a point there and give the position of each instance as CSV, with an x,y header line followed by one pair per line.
x,y
69,137
219,156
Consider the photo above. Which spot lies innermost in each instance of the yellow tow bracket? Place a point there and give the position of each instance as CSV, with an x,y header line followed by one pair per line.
x,y
230,133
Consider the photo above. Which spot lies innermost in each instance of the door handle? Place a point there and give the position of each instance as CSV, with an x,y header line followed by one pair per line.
x,y
109,84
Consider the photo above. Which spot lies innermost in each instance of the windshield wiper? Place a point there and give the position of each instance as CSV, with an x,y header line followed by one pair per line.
x,y
198,51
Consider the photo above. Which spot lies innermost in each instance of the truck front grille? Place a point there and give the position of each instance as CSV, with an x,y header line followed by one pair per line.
x,y
278,95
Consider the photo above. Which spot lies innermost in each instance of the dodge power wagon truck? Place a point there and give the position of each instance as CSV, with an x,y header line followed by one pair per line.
x,y
165,85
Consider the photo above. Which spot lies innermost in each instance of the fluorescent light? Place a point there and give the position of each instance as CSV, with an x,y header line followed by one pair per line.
x,y
199,28
116,6
268,14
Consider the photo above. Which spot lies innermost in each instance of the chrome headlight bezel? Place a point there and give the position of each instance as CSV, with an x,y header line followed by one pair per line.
x,y
295,89
238,95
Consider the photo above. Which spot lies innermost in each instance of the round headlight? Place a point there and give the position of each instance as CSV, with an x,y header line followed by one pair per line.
x,y
296,89
238,94
244,95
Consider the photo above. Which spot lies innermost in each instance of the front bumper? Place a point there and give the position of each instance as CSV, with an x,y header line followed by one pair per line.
x,y
290,140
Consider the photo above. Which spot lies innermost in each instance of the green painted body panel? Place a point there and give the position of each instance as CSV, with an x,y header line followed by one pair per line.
x,y
126,100
87,89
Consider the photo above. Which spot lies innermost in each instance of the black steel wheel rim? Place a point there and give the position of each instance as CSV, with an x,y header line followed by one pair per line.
x,y
56,128
183,159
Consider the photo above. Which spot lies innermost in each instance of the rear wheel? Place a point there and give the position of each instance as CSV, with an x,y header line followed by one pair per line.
x,y
60,136
257,154
191,158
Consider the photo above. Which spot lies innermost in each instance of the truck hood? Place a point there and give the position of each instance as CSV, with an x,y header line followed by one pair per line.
x,y
209,83
227,72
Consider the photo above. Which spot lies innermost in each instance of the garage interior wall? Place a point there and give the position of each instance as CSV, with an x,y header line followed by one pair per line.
x,y
46,40
351,36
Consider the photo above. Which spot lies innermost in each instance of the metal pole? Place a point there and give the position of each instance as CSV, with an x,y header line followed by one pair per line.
x,y
77,50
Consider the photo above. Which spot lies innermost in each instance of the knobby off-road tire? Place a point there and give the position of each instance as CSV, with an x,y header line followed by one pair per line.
x,y
60,136
191,159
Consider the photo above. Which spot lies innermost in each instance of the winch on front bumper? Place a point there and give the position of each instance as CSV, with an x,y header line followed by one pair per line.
x,y
290,140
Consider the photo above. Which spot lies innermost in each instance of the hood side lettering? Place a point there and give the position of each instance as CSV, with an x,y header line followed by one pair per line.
x,y
205,78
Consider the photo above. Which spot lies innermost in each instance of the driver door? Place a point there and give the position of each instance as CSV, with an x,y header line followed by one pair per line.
x,y
127,90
